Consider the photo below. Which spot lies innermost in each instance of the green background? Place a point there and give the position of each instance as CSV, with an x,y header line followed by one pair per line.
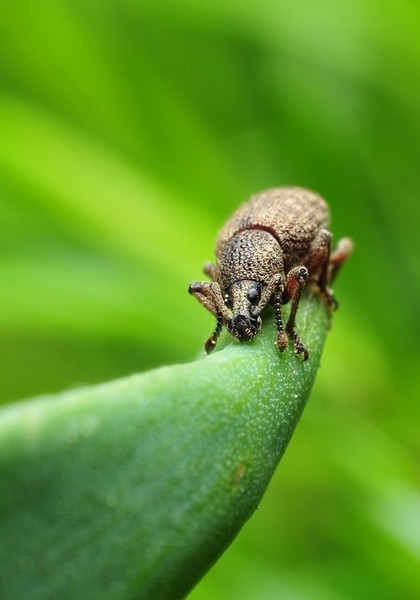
x,y
128,133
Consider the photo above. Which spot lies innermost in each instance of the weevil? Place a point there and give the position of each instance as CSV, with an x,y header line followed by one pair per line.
x,y
270,248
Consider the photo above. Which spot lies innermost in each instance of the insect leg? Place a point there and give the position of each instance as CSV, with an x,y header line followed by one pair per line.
x,y
319,264
275,290
281,335
296,279
211,342
339,256
210,296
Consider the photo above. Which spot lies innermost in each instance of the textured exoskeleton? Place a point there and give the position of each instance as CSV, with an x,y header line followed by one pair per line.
x,y
266,252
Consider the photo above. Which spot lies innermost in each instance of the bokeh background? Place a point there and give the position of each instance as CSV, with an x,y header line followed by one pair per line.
x,y
129,131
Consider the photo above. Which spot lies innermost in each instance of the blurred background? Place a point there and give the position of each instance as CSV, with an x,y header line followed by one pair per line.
x,y
129,131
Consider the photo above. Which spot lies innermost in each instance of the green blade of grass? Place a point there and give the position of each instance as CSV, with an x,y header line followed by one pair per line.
x,y
132,489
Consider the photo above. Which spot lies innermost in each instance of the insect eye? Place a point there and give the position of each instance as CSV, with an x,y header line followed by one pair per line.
x,y
254,295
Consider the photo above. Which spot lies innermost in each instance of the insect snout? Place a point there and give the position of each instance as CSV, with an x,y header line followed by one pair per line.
x,y
244,327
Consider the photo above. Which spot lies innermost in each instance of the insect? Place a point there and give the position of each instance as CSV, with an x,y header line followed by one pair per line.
x,y
269,249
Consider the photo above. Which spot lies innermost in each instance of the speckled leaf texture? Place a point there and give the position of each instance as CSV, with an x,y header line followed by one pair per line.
x,y
132,489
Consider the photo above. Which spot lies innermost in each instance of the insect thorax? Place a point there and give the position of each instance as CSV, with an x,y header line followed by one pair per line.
x,y
252,255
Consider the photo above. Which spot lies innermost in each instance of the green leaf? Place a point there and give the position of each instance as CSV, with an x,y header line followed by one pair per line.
x,y
132,489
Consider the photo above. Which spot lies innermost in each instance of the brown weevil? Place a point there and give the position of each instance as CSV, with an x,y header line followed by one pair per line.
x,y
266,252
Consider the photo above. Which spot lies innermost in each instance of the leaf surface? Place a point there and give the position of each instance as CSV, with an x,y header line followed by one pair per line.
x,y
133,488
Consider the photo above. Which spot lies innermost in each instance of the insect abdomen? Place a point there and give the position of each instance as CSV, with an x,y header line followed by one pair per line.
x,y
292,215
